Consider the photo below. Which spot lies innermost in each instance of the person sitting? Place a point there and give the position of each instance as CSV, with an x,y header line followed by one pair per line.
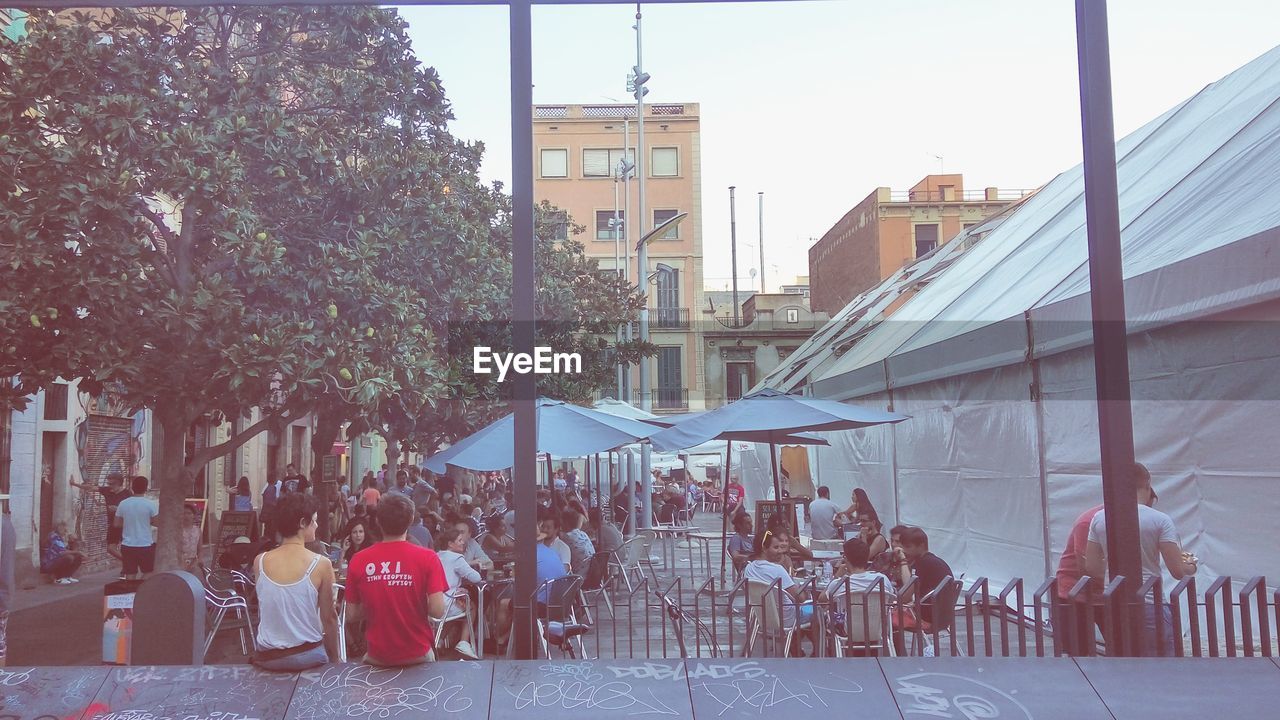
x,y
549,528
450,544
673,503
853,577
498,543
358,538
741,546
767,568
778,523
608,537
581,549
419,534
871,532
472,552
386,586
298,620
61,559
822,516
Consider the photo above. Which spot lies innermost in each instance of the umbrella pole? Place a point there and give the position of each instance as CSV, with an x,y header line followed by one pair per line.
x,y
724,505
777,487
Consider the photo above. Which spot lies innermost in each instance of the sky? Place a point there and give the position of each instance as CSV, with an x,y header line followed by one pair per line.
x,y
817,103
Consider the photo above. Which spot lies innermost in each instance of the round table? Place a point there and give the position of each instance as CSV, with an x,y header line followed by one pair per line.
x,y
704,539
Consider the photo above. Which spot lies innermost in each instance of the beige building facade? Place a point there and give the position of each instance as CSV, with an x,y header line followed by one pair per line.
x,y
577,149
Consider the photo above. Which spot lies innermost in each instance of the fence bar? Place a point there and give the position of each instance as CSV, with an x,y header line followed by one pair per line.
x,y
1257,587
1049,585
1221,585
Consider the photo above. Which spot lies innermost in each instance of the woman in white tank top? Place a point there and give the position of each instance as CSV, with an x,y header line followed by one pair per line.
x,y
298,619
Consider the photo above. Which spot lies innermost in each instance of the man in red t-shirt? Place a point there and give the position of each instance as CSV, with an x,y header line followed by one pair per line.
x,y
734,494
395,586
1070,569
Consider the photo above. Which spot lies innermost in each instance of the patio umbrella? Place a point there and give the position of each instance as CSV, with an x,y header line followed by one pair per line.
x,y
564,430
772,417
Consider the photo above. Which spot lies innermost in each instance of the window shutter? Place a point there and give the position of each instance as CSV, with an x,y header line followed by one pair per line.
x,y
595,163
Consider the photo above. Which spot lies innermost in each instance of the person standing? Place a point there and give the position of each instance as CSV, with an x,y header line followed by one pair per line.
x,y
295,481
270,494
135,518
396,587
734,496
242,499
822,516
1157,538
298,619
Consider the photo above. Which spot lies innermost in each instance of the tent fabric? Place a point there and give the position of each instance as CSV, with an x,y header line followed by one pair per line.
x,y
992,358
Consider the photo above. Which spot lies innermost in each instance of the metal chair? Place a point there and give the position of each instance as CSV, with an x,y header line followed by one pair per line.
x,y
217,605
764,612
943,609
340,601
453,612
560,595
597,581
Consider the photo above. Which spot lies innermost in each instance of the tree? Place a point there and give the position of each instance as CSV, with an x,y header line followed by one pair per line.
x,y
184,215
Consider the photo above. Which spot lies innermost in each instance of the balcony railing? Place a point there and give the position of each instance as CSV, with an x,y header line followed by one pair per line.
x,y
664,398
676,318
998,195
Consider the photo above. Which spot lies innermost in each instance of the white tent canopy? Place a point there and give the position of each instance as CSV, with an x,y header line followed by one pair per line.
x,y
992,358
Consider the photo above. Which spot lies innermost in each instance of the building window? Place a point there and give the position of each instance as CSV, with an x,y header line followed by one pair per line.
x,y
966,226
55,401
555,163
926,238
560,225
601,162
661,216
793,315
606,227
664,162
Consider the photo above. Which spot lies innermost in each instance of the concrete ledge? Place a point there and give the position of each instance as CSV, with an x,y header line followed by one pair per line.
x,y
724,689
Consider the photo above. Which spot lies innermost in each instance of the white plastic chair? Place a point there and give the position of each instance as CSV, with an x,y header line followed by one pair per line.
x,y
765,612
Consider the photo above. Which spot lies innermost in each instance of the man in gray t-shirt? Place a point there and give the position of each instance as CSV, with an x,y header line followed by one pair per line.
x,y
822,516
1158,539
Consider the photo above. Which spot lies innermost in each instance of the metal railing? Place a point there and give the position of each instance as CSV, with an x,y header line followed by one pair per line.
x,y
669,318
661,611
664,398
916,196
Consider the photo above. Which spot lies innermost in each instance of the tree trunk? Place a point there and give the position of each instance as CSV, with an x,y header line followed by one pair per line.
x,y
393,459
174,480
328,425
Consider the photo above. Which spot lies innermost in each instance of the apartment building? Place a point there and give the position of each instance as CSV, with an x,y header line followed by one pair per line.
x,y
891,228
577,149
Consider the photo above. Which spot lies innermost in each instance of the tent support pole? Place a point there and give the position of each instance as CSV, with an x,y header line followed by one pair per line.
x,y
724,507
777,487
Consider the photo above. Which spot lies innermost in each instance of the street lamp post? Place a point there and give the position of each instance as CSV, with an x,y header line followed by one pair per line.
x,y
733,253
762,290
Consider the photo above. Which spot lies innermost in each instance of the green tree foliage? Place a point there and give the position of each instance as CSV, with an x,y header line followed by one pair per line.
x,y
227,208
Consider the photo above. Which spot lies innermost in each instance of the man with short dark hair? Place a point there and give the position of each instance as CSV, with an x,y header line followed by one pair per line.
x,y
929,569
135,517
295,481
822,516
396,587
418,533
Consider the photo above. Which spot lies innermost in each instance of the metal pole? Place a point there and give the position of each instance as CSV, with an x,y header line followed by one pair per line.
x,y
626,251
724,506
523,301
646,486
733,253
762,290
1106,280
617,264
624,468
642,252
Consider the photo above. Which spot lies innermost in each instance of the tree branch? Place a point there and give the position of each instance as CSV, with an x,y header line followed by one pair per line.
x,y
213,452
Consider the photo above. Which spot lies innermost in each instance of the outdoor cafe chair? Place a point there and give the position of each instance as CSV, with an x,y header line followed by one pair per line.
x,y
597,581
764,615
217,604
453,612
340,602
562,594
943,599
866,623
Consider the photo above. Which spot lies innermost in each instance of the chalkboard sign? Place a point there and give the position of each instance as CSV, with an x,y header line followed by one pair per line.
x,y
50,692
765,509
237,523
1005,688
460,689
728,689
225,692
589,690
